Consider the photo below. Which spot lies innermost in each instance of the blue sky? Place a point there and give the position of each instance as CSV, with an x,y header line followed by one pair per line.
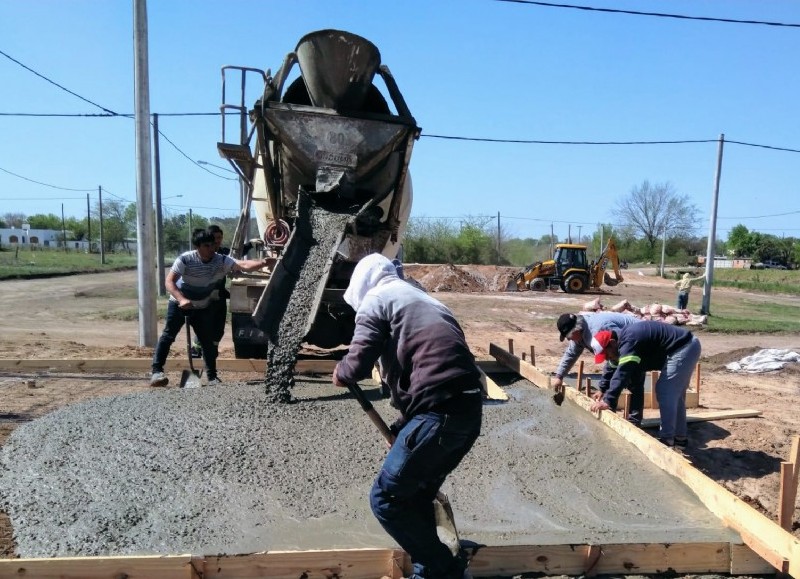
x,y
467,68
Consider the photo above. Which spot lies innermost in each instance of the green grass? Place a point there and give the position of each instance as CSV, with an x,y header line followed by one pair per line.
x,y
24,263
749,316
760,280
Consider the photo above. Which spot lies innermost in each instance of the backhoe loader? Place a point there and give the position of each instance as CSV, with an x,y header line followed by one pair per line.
x,y
570,270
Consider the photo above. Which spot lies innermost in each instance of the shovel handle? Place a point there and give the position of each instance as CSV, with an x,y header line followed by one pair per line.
x,y
373,415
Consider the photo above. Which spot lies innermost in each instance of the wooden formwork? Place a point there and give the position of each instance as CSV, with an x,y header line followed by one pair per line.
x,y
760,550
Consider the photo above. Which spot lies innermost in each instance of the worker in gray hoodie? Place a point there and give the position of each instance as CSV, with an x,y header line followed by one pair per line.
x,y
578,329
435,384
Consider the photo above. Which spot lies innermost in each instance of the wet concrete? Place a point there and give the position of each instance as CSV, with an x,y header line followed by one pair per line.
x,y
223,470
322,235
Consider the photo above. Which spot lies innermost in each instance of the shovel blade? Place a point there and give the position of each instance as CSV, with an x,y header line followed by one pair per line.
x,y
445,523
190,379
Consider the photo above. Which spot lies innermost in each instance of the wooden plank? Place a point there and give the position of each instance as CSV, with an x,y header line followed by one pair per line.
x,y
788,490
765,537
492,390
622,558
144,567
143,365
707,416
350,563
524,369
111,365
745,562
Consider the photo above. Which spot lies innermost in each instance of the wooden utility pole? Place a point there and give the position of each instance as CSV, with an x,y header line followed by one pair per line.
x,y
100,206
162,286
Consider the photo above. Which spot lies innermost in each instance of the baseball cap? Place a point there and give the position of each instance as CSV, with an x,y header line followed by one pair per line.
x,y
599,344
565,324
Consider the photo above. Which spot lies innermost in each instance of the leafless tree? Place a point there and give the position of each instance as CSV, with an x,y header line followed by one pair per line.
x,y
649,209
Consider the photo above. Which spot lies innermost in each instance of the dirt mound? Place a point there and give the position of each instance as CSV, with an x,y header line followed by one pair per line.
x,y
461,278
449,278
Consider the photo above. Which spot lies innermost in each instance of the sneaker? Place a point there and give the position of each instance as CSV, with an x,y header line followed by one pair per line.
x,y
681,441
214,382
158,379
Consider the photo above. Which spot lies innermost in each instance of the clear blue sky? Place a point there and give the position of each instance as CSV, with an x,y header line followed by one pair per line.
x,y
467,68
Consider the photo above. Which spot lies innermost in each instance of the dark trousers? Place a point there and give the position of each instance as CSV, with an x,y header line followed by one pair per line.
x,y
427,449
201,322
683,300
219,313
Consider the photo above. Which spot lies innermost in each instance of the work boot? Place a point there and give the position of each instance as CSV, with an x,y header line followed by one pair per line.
x,y
681,441
670,442
158,379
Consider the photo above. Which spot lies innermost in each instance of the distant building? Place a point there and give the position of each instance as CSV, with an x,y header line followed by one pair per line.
x,y
38,238
720,261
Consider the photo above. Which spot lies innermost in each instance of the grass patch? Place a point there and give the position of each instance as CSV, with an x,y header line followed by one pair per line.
x,y
25,263
747,317
760,280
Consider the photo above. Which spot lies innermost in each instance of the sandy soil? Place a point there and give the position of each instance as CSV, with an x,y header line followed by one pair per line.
x,y
79,317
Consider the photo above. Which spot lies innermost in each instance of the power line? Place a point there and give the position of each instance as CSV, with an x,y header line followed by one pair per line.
x,y
29,69
538,142
45,184
655,14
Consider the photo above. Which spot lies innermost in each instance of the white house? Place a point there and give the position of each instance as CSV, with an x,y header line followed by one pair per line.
x,y
39,238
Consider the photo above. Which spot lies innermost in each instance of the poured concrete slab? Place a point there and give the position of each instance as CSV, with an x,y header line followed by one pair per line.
x,y
222,470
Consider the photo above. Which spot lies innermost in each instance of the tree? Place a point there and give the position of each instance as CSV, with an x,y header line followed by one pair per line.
x,y
49,221
650,209
741,241
14,219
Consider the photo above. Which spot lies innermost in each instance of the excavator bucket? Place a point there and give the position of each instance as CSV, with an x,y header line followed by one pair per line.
x,y
513,283
609,280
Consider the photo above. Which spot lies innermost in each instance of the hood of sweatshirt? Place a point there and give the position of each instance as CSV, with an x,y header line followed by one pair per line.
x,y
369,273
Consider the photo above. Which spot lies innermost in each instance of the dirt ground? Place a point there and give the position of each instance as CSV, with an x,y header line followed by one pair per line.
x,y
80,317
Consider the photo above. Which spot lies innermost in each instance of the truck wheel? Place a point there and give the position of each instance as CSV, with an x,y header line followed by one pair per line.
x,y
576,284
538,284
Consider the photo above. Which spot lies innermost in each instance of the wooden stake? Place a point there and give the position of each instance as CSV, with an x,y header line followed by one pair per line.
x,y
788,490
579,383
654,375
533,356
697,382
523,356
589,387
511,346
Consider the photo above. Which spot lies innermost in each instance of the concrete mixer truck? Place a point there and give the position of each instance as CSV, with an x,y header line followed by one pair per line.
x,y
323,164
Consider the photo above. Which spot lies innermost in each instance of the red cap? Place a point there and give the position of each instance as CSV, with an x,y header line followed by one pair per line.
x,y
599,345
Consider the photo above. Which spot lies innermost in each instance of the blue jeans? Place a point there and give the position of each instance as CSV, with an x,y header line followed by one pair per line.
x,y
671,389
202,322
683,300
428,448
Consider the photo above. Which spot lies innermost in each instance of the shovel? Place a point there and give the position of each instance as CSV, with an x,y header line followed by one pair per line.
x,y
190,378
445,522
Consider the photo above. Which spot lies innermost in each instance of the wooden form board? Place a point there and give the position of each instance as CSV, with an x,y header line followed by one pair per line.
x,y
111,365
766,538
622,558
706,416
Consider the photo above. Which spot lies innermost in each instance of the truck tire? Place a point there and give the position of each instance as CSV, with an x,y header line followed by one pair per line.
x,y
538,284
576,284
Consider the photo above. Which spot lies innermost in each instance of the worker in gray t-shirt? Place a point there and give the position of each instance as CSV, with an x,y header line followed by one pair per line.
x,y
578,329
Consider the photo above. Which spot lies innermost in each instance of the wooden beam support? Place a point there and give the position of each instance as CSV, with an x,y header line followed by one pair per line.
x,y
579,379
707,416
772,543
620,558
788,491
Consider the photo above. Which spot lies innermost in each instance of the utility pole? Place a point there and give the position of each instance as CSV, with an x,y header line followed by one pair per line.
x,y
148,316
63,228
551,241
497,261
712,232
162,286
663,249
100,204
190,229
88,224
579,232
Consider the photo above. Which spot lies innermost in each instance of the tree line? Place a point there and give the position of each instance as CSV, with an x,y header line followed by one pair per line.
x,y
649,216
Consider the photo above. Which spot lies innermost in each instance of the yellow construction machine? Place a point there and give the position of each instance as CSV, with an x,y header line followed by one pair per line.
x,y
570,270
